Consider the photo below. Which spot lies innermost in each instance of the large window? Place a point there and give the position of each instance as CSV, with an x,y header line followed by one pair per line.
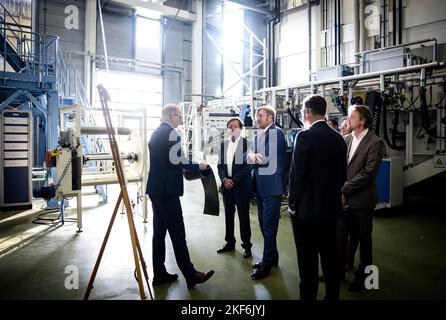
x,y
148,41
233,49
131,91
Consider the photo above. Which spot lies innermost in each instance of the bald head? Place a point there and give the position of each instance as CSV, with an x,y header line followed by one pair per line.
x,y
171,113
169,109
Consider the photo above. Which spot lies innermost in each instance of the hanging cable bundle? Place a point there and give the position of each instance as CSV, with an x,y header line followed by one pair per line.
x,y
391,144
424,110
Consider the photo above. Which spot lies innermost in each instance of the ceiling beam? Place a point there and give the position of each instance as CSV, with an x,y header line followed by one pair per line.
x,y
182,15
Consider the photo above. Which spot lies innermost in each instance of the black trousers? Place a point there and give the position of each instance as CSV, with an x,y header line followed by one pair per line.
x,y
362,227
314,238
233,199
168,216
347,245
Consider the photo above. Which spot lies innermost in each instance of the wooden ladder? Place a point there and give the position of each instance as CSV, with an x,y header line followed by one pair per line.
x,y
123,196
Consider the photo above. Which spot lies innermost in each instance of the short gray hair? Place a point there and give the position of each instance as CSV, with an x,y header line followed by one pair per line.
x,y
168,109
268,110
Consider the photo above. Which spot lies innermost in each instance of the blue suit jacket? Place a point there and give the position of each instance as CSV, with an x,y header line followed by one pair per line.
x,y
166,173
270,176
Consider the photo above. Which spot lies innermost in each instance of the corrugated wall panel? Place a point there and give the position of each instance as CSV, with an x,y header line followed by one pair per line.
x,y
52,22
178,52
119,35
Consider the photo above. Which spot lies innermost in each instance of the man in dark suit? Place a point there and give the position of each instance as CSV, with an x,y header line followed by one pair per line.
x,y
268,158
318,172
164,187
236,179
364,154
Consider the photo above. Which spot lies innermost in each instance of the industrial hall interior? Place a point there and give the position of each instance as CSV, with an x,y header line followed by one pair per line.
x,y
222,150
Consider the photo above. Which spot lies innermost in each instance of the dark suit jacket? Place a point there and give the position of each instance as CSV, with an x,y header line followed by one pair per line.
x,y
166,173
241,170
270,176
360,187
318,172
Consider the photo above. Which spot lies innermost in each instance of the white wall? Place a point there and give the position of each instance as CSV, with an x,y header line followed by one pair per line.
x,y
422,19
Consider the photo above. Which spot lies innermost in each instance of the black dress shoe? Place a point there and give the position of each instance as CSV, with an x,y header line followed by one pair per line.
x,y
247,253
199,277
226,248
165,278
357,285
259,264
261,273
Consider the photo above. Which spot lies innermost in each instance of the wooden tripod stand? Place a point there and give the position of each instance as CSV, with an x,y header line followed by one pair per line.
x,y
123,196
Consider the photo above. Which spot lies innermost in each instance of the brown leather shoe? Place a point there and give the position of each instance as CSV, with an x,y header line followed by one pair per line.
x,y
199,277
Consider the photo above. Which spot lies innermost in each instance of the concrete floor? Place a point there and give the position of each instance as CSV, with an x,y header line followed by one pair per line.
x,y
409,250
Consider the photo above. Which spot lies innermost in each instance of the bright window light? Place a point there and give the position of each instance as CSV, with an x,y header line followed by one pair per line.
x,y
147,33
233,49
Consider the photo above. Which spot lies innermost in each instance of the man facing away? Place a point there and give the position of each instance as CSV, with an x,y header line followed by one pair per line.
x,y
364,154
236,179
268,157
315,201
164,187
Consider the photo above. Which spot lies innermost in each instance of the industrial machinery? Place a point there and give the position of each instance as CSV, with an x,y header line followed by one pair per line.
x,y
69,167
405,91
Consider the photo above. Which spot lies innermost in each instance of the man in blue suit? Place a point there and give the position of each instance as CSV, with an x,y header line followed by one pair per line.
x,y
268,157
318,172
164,187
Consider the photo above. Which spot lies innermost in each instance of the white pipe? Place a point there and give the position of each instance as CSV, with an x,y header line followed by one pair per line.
x,y
103,35
365,76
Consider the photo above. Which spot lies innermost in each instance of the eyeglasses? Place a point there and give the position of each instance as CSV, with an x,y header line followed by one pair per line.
x,y
178,115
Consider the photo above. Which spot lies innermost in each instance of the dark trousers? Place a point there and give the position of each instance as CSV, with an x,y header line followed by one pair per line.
x,y
362,227
346,244
232,199
268,209
168,216
314,238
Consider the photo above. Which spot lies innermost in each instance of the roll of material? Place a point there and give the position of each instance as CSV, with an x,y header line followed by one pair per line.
x,y
211,204
194,175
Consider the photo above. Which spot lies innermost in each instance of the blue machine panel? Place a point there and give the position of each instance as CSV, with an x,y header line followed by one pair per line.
x,y
383,182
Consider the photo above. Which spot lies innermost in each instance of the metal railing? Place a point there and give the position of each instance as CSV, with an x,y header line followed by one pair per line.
x,y
27,51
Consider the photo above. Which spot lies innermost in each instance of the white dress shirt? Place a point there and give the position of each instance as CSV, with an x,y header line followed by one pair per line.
x,y
356,140
232,147
264,130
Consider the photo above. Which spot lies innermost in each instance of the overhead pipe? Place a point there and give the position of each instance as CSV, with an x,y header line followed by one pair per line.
x,y
400,21
271,39
336,32
362,31
356,30
309,38
383,29
364,76
339,31
395,24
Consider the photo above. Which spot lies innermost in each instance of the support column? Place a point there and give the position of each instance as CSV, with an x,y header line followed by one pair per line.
x,y
53,119
197,54
90,45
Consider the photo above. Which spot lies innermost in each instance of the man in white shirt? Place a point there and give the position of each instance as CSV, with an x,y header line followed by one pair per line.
x,y
235,175
365,152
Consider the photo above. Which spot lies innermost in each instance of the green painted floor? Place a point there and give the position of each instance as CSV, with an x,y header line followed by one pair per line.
x,y
409,250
